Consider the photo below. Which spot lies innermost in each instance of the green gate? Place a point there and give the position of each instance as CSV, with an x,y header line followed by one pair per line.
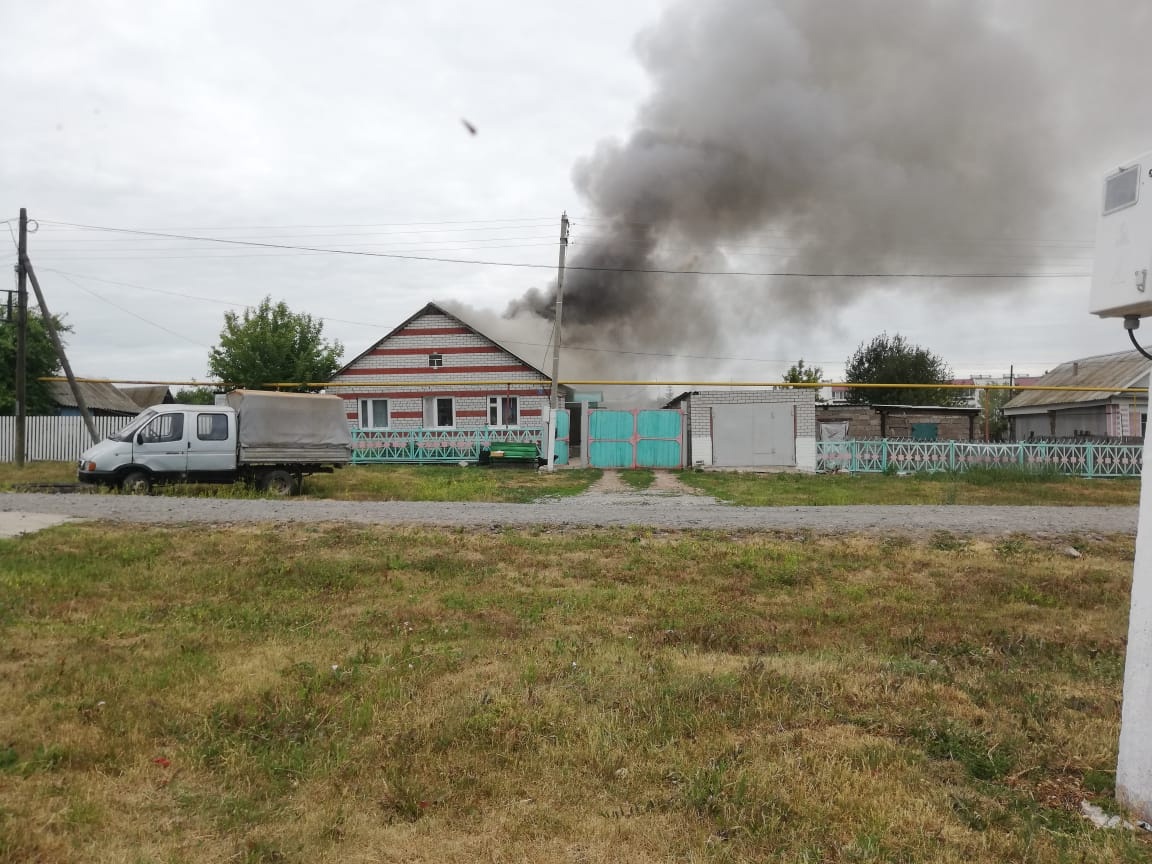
x,y
636,438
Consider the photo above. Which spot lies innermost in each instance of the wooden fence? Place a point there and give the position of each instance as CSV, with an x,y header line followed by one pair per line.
x,y
54,439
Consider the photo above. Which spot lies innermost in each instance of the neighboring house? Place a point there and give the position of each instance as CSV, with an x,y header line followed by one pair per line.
x,y
1097,411
147,396
453,365
750,428
918,422
103,400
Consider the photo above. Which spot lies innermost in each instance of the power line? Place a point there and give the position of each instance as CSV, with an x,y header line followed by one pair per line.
x,y
586,268
133,314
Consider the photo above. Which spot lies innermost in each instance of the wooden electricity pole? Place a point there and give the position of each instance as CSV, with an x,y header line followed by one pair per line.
x,y
555,399
24,274
50,326
20,389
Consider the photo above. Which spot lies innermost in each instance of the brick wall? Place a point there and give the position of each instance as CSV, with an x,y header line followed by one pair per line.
x,y
864,421
387,369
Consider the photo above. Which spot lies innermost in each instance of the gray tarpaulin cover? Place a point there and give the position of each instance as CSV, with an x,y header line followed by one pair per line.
x,y
268,419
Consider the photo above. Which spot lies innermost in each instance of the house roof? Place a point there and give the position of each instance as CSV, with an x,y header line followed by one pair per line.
x,y
1104,373
98,397
436,309
146,397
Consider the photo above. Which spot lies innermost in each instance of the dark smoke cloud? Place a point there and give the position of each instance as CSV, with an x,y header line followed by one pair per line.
x,y
877,136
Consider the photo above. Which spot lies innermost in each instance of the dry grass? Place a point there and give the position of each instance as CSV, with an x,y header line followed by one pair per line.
x,y
333,693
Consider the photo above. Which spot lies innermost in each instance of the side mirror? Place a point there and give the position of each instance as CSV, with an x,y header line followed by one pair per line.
x,y
140,437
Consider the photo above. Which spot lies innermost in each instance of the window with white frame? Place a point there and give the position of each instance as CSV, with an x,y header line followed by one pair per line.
x,y
440,412
503,410
373,413
436,360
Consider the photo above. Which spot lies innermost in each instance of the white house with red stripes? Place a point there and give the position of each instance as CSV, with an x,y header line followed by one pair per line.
x,y
435,371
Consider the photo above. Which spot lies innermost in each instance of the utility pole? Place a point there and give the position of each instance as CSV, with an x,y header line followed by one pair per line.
x,y
46,317
555,399
21,388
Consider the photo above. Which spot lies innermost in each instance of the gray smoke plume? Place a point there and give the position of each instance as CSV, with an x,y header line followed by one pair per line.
x,y
870,136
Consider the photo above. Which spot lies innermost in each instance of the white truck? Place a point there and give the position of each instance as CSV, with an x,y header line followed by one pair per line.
x,y
270,440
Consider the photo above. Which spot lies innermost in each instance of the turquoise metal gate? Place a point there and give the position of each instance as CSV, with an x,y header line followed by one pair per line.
x,y
636,438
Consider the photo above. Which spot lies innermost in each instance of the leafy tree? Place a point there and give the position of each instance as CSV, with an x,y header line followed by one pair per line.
x,y
42,361
894,360
271,343
992,404
195,396
798,373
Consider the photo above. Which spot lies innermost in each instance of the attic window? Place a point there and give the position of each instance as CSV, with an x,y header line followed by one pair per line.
x,y
436,360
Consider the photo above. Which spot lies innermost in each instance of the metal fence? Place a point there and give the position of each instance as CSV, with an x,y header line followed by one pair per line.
x,y
432,446
1076,458
53,439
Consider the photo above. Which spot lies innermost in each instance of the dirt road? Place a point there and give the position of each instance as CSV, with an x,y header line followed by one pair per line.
x,y
655,508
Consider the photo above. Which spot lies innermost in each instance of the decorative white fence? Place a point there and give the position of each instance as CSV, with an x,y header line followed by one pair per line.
x,y
1077,458
53,439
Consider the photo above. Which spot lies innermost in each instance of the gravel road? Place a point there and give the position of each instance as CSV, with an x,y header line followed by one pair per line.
x,y
655,509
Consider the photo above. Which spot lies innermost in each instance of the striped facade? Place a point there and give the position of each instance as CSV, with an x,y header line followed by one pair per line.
x,y
431,358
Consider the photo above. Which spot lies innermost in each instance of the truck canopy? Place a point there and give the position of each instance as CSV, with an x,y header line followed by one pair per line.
x,y
290,427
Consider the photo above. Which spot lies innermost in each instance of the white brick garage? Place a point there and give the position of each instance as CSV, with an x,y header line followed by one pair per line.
x,y
750,428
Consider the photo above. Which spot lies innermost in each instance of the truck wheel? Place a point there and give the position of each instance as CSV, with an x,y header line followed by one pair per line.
x,y
136,483
278,483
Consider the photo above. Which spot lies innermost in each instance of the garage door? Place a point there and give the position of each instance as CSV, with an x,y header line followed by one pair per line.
x,y
746,436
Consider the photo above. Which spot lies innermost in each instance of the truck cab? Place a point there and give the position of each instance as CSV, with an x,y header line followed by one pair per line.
x,y
165,443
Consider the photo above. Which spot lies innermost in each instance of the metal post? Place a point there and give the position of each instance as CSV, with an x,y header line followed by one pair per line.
x,y
554,401
46,317
20,390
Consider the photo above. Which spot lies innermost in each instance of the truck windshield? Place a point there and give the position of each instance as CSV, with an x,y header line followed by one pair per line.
x,y
128,431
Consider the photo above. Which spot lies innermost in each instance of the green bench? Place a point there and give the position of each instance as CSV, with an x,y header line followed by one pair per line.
x,y
510,453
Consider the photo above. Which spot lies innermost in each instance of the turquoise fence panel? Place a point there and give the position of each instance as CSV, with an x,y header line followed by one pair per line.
x,y
431,446
563,424
610,425
610,454
1074,458
659,424
658,453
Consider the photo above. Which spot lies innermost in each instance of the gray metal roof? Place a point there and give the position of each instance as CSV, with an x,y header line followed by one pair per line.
x,y
1106,373
147,396
98,397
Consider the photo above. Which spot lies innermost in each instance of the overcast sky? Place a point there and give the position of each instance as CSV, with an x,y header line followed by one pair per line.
x,y
339,125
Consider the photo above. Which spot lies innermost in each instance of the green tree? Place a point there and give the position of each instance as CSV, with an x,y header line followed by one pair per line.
x,y
195,396
992,404
798,373
894,360
42,361
270,343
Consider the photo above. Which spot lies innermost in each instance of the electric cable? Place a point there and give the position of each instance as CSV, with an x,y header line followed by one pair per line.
x,y
1139,347
582,267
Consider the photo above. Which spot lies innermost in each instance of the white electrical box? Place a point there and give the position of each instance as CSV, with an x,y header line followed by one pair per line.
x,y
1120,281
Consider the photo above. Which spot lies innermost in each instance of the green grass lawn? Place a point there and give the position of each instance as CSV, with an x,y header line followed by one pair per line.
x,y
639,478
333,693
975,487
517,484
368,483
446,483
